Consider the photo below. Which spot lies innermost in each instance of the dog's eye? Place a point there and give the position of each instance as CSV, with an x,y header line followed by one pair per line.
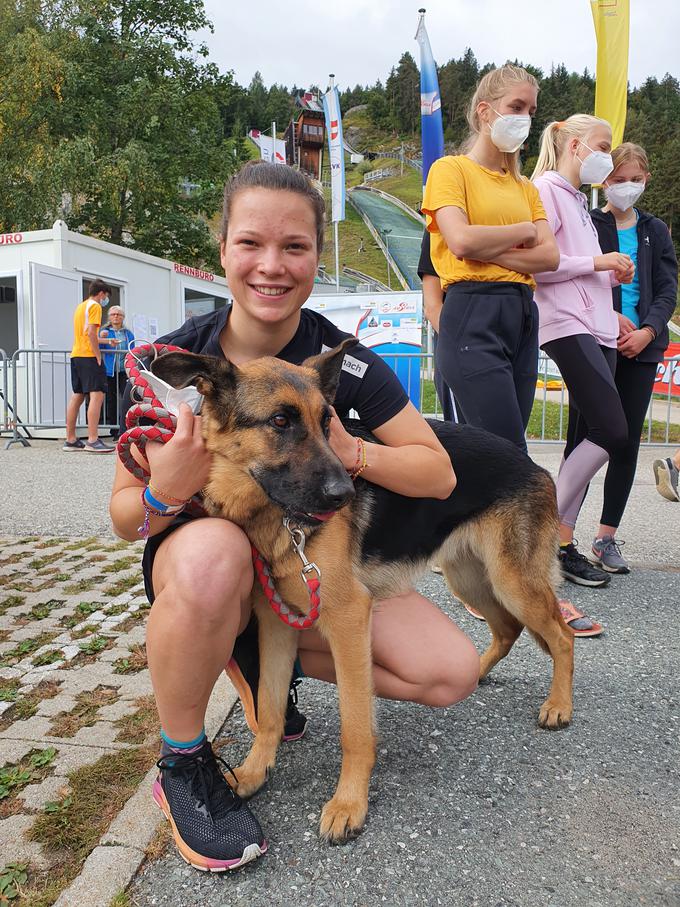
x,y
280,420
326,425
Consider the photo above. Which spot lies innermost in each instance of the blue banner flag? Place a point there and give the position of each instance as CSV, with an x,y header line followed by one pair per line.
x,y
432,130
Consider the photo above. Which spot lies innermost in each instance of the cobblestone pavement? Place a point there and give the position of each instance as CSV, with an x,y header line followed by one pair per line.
x,y
469,806
72,667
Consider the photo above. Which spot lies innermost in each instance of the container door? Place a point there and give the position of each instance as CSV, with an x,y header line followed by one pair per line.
x,y
55,295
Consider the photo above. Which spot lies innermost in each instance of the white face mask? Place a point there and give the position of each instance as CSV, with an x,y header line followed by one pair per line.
x,y
624,195
510,131
596,167
172,397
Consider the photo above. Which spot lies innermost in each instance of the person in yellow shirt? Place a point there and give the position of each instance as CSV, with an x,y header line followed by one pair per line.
x,y
489,234
88,375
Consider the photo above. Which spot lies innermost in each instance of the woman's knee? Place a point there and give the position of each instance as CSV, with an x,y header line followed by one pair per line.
x,y
454,678
207,567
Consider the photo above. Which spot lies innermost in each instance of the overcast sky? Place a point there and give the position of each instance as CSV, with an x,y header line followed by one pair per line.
x,y
360,40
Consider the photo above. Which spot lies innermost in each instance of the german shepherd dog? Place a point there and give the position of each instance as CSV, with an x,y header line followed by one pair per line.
x,y
266,424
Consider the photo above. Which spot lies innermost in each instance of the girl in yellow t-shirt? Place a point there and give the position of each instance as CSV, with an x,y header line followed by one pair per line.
x,y
489,234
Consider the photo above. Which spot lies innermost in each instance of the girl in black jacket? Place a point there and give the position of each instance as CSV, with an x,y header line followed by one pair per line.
x,y
644,308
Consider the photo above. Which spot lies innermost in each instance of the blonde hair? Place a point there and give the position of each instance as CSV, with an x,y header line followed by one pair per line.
x,y
492,87
629,153
557,135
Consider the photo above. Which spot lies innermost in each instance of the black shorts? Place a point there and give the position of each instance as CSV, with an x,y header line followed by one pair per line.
x,y
152,546
88,376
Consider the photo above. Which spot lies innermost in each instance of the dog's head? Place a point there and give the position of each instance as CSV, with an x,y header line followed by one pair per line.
x,y
266,424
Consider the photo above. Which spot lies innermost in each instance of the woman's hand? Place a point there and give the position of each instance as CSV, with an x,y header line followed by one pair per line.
x,y
633,343
181,467
621,264
625,325
343,445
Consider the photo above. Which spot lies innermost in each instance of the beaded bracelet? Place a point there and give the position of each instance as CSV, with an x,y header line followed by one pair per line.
x,y
362,460
155,490
156,508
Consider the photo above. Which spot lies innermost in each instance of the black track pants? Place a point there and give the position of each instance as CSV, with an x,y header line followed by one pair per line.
x,y
634,382
488,354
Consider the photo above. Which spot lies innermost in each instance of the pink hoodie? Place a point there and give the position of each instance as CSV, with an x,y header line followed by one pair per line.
x,y
574,299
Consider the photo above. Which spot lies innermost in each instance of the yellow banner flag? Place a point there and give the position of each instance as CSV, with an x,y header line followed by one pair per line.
x,y
612,26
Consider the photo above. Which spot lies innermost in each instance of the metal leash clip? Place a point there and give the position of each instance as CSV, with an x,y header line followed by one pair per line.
x,y
298,539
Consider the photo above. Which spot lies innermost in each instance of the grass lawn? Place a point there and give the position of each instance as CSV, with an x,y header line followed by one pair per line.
x,y
552,420
351,232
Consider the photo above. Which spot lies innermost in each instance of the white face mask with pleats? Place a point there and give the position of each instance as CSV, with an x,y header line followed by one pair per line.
x,y
510,131
172,397
623,195
596,167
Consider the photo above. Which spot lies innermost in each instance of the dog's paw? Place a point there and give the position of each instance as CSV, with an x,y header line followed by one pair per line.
x,y
342,820
553,716
248,781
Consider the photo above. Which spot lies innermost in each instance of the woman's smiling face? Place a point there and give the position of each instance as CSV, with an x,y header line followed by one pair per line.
x,y
270,254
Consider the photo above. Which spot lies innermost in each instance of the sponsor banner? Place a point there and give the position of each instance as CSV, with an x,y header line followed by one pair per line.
x,y
668,373
388,323
331,109
611,20
432,129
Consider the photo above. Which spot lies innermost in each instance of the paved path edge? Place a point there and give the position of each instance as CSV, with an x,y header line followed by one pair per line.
x,y
115,859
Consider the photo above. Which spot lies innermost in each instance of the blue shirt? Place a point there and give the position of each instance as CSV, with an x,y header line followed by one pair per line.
x,y
630,292
114,361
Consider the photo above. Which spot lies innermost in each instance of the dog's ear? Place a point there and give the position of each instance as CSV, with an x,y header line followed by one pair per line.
x,y
329,365
208,374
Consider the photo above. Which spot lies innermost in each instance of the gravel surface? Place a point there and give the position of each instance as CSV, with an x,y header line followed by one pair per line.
x,y
472,805
475,805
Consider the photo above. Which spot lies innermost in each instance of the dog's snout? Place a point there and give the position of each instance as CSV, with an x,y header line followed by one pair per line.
x,y
338,492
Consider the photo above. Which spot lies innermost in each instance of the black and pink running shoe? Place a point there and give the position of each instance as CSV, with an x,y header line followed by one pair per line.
x,y
213,828
243,670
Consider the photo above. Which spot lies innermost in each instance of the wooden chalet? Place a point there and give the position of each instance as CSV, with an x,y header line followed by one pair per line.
x,y
305,135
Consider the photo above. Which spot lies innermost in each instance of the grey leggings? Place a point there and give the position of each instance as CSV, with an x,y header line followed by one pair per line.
x,y
588,371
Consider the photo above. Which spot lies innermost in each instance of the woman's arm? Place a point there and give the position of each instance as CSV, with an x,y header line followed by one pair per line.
x,y
481,243
179,468
433,299
544,256
409,461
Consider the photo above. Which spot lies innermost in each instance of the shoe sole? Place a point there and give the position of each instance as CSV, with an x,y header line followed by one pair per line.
x,y
663,481
72,449
591,583
291,738
94,450
586,634
205,864
594,559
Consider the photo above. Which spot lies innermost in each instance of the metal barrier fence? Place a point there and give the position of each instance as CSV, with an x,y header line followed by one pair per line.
x,y
36,387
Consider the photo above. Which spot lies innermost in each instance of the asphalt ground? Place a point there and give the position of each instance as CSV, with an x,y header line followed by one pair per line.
x,y
472,805
475,805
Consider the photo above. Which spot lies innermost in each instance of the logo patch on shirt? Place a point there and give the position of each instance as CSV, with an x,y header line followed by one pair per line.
x,y
349,364
354,366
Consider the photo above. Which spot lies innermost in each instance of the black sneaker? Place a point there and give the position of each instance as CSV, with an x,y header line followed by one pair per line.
x,y
213,828
244,672
577,568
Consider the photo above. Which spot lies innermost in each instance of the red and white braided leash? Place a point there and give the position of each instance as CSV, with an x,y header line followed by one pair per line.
x,y
150,407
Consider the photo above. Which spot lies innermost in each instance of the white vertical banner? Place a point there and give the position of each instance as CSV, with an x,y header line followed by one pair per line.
x,y
264,143
331,109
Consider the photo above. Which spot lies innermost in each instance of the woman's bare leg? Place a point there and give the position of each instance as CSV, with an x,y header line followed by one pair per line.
x,y
202,577
419,654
